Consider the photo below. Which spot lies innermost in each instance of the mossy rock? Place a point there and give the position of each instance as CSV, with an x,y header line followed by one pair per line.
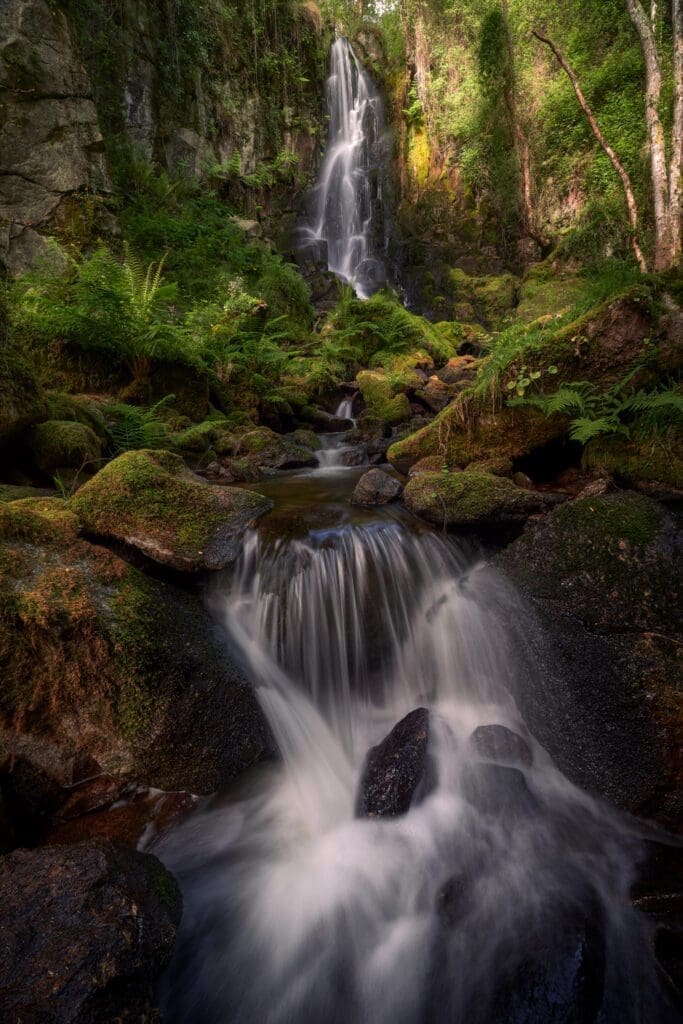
x,y
305,438
150,501
267,450
22,400
382,402
198,438
487,299
635,462
475,434
54,509
13,492
602,574
79,410
469,499
98,660
64,444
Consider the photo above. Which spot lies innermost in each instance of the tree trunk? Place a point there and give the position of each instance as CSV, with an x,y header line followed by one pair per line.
x,y
611,155
676,165
655,130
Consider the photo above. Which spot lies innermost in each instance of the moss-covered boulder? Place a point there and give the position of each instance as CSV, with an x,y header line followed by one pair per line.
x,y
485,299
384,401
13,492
79,409
22,400
265,450
462,437
603,576
150,501
64,444
652,464
103,666
470,499
544,293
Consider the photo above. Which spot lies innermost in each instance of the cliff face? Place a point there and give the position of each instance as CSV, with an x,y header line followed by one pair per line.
x,y
87,87
50,139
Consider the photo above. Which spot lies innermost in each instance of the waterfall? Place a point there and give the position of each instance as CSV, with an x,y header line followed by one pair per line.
x,y
346,222
298,912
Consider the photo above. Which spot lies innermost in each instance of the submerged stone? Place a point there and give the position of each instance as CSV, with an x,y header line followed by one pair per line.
x,y
498,743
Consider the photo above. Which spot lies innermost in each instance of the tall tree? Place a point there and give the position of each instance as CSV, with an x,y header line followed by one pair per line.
x,y
666,179
608,150
666,173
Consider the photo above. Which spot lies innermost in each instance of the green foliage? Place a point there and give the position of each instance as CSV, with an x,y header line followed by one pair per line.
x,y
104,305
133,427
594,413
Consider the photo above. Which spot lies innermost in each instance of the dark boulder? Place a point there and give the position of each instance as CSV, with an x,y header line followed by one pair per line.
x,y
498,743
376,488
398,771
497,789
85,932
602,575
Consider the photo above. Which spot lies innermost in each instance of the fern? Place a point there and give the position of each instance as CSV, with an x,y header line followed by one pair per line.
x,y
134,427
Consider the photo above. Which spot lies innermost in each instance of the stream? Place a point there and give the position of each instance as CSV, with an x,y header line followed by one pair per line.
x,y
492,900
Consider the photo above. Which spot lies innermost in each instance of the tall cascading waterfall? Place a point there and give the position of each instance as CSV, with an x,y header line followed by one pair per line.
x,y
459,912
347,221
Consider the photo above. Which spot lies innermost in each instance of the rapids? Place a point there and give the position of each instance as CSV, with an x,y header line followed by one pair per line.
x,y
296,911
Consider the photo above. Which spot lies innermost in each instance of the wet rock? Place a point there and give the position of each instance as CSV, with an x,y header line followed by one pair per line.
x,y
470,498
558,974
497,790
658,892
452,898
85,932
383,398
325,422
149,501
398,771
376,488
459,369
353,456
101,660
436,395
602,575
136,814
498,743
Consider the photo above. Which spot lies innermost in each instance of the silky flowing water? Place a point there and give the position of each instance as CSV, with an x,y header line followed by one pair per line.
x,y
296,911
347,219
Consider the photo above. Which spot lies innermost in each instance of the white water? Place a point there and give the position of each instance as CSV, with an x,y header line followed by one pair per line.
x,y
347,203
296,911
335,450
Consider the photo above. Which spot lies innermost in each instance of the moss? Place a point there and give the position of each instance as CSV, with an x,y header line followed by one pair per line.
x,y
632,461
487,299
381,401
52,509
150,500
79,410
307,438
13,492
554,295
64,443
469,498
22,400
465,433
198,438
606,521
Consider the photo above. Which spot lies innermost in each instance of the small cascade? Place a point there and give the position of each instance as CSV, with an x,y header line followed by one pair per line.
x,y
336,452
297,912
347,222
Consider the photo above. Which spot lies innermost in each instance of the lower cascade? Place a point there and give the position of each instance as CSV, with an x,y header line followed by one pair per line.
x,y
345,226
454,874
